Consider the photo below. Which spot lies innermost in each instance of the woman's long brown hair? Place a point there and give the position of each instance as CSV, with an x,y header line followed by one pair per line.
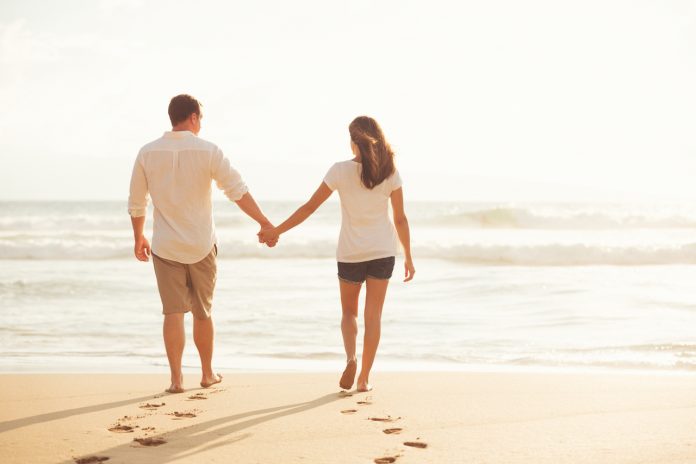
x,y
377,157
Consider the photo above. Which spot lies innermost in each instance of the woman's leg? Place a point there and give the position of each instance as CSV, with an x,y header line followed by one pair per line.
x,y
374,301
350,292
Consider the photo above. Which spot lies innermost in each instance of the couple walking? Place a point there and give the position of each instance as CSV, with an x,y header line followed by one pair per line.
x,y
177,171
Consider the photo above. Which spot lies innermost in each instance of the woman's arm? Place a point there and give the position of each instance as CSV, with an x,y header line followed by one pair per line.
x,y
298,217
403,231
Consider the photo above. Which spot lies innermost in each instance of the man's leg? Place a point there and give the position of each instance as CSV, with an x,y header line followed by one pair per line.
x,y
203,275
171,283
174,341
204,337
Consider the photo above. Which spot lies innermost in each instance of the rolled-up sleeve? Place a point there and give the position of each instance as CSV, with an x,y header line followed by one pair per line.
x,y
139,197
227,179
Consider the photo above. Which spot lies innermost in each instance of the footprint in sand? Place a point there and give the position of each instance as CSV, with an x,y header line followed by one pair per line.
x,y
182,415
385,460
384,419
119,428
392,431
349,411
366,402
151,406
198,396
150,441
416,444
91,459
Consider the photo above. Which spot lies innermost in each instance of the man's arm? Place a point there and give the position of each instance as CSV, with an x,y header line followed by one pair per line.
x,y
249,206
137,208
251,209
230,181
142,246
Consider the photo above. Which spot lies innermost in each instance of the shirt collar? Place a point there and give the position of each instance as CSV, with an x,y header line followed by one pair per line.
x,y
178,134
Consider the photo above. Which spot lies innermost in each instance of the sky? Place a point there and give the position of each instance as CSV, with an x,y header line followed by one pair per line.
x,y
499,100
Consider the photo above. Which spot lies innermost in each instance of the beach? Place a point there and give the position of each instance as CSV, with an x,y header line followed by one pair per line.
x,y
459,417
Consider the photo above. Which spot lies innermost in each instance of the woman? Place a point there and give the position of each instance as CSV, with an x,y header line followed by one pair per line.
x,y
367,244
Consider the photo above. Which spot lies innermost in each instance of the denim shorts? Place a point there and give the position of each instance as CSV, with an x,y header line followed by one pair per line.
x,y
356,273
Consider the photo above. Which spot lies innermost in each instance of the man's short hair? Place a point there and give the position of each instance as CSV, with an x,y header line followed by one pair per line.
x,y
181,107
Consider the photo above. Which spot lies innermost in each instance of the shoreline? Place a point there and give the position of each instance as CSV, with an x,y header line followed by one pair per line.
x,y
303,417
191,373
334,369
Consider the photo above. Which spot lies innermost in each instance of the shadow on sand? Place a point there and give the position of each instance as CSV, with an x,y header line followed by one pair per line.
x,y
180,442
51,416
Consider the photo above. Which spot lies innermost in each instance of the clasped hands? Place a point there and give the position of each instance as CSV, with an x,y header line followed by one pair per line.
x,y
268,235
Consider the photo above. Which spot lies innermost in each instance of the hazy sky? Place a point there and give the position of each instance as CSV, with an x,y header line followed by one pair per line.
x,y
482,100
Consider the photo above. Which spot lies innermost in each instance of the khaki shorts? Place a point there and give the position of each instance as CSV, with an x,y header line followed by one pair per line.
x,y
187,287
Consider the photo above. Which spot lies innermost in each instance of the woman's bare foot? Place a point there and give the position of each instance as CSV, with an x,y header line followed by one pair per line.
x,y
348,376
363,385
210,381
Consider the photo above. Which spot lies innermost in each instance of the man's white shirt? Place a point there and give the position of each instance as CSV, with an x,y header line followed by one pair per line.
x,y
177,171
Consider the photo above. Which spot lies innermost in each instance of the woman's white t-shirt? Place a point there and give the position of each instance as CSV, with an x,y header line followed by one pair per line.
x,y
367,232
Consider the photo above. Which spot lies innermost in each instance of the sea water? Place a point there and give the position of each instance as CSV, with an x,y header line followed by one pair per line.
x,y
498,286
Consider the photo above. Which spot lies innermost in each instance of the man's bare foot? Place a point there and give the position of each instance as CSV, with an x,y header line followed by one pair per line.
x,y
348,376
210,381
176,387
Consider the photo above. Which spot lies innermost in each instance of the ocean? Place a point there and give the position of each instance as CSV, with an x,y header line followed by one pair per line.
x,y
498,287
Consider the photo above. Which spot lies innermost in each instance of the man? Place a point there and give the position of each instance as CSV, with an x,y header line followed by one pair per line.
x,y
177,171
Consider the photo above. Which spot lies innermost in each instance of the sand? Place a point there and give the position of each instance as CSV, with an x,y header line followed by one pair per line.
x,y
303,418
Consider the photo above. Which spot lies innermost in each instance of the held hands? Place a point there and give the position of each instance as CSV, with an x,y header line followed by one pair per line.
x,y
142,249
268,235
